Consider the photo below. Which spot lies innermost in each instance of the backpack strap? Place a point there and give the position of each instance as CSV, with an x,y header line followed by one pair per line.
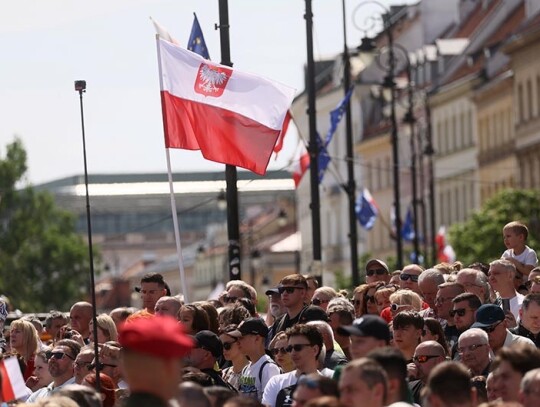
x,y
262,367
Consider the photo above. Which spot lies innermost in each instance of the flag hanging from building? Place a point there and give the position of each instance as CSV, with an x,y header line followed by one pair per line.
x,y
445,252
196,41
279,144
407,230
366,209
300,165
232,117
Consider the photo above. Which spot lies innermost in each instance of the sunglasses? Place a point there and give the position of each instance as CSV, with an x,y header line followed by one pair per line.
x,y
379,272
318,302
461,312
227,299
423,358
405,277
289,290
297,347
470,348
356,302
277,351
491,328
87,365
370,298
228,345
394,307
60,355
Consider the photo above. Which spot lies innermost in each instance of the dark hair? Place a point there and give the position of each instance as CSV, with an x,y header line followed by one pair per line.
x,y
344,315
53,314
370,372
310,332
107,387
327,386
407,318
212,314
394,364
192,374
472,299
219,394
434,326
234,314
483,267
156,278
479,383
247,304
450,381
294,280
201,321
243,401
73,346
533,297
521,357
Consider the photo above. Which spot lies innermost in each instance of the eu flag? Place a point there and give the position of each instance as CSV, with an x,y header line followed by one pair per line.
x,y
366,209
196,40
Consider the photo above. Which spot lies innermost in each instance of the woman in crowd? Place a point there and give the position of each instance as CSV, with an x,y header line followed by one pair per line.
x,y
281,356
41,376
24,342
382,296
107,387
232,353
106,329
358,299
402,300
433,332
194,318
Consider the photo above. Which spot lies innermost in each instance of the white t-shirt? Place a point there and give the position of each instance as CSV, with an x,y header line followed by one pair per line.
x,y
274,386
515,304
249,382
528,256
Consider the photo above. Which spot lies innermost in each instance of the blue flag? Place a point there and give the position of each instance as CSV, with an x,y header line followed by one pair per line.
x,y
407,230
335,118
366,209
196,39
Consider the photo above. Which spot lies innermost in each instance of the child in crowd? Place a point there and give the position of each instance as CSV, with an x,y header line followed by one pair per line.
x,y
522,256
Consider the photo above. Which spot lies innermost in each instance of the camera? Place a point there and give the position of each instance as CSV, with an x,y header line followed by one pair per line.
x,y
67,334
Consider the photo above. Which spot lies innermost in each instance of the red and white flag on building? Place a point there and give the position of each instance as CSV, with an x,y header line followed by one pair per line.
x,y
232,117
300,164
13,386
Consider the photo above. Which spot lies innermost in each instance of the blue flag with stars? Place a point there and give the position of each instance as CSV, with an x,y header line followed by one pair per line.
x,y
196,41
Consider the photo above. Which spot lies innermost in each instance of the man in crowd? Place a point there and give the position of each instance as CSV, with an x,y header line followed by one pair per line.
x,y
408,279
152,288
366,333
476,282
427,355
473,348
83,363
377,270
407,327
429,282
61,360
313,386
501,277
395,366
236,289
167,305
292,289
443,305
465,306
449,385
333,356
341,313
80,316
529,322
54,321
529,394
491,319
363,383
152,352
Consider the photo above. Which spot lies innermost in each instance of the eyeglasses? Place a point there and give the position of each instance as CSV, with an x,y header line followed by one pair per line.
x,y
289,290
60,355
395,307
440,300
80,364
379,272
405,277
277,351
297,348
318,301
491,328
423,358
460,311
227,299
228,345
471,348
370,298
101,365
356,302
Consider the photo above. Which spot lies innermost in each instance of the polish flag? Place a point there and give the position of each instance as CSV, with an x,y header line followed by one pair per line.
x,y
232,117
300,165
13,386
445,252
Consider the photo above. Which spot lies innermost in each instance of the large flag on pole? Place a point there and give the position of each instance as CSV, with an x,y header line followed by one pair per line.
x,y
232,117
407,230
366,209
196,41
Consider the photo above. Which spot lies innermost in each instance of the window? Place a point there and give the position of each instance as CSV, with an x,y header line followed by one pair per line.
x,y
521,111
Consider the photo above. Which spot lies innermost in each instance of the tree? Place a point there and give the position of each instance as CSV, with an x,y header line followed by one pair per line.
x,y
480,238
43,262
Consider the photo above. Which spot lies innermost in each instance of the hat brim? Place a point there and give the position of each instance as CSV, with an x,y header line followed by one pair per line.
x,y
235,334
350,330
272,291
379,262
482,325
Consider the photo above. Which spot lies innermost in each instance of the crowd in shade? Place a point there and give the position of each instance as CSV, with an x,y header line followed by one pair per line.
x,y
450,335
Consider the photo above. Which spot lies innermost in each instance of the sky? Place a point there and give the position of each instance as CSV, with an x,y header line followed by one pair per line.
x,y
48,44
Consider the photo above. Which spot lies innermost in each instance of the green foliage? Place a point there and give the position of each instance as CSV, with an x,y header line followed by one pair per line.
x,y
480,238
342,281
43,262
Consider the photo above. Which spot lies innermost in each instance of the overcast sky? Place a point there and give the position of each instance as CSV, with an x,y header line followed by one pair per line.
x,y
48,44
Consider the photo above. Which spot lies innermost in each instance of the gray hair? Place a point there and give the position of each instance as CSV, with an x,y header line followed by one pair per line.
x,y
323,327
340,302
505,264
530,377
475,333
432,274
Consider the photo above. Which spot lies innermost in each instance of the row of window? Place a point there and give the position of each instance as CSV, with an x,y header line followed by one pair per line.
x,y
495,130
528,98
454,133
455,199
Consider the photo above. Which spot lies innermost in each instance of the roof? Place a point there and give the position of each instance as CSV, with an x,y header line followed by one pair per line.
x,y
475,19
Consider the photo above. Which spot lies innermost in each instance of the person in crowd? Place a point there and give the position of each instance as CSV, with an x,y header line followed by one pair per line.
x,y
358,299
313,386
275,306
370,301
107,388
407,327
322,296
491,319
53,322
80,316
83,363
427,355
509,367
428,283
232,353
449,385
41,376
24,341
278,349
341,313
363,383
84,396
517,252
110,356
106,329
476,282
502,274
492,392
236,289
240,401
194,318
535,285
408,279
167,305
402,300
443,305
474,351
119,315
366,333
218,395
152,352
529,391
213,316
305,343
382,296
65,351
529,321
395,366
251,335
292,289
433,332
333,357
152,288
465,306
312,285
232,315
377,270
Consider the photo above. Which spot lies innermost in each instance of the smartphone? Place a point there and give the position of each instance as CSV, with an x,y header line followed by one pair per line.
x,y
506,305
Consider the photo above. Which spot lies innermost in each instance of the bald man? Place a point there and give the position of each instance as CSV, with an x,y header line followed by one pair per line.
x,y
427,355
80,316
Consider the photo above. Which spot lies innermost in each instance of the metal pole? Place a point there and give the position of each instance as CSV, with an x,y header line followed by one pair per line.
x,y
351,184
233,222
80,86
430,152
422,197
313,145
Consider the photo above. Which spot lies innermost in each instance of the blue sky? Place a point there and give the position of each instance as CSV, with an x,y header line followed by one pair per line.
x,y
48,44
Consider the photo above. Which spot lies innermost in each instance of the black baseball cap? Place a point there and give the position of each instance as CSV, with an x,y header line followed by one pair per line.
x,y
209,341
313,313
250,326
487,315
367,325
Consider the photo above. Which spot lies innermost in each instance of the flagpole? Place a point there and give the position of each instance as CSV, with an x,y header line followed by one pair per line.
x,y
233,223
171,191
80,86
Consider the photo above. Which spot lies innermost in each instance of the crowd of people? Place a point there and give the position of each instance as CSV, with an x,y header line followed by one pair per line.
x,y
445,336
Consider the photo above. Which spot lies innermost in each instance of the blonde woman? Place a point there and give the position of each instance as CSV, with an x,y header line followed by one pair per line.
x,y
24,341
106,329
322,296
402,300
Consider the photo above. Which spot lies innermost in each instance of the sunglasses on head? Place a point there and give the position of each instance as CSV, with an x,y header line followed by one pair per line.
x,y
297,348
277,351
288,290
424,358
394,307
318,302
228,345
405,277
460,311
59,355
379,272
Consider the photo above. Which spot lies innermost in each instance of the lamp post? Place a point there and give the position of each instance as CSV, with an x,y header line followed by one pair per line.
x,y
350,187
389,83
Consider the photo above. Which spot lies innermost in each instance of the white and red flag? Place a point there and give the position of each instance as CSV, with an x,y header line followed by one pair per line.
x,y
232,117
13,386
